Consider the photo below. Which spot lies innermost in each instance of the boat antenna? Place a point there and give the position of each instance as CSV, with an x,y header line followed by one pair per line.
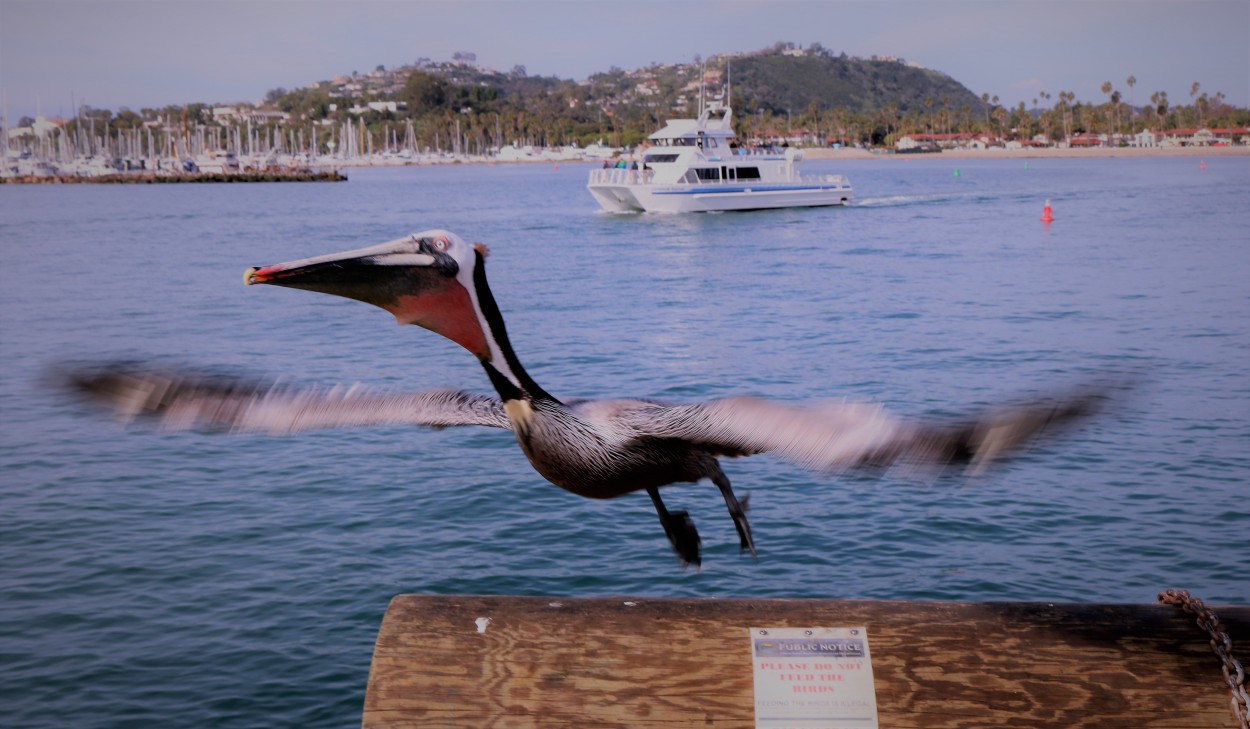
x,y
702,81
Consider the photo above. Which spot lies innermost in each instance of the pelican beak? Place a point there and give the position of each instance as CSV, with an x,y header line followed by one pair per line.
x,y
377,275
411,278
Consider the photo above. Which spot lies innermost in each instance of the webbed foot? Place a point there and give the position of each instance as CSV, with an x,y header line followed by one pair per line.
x,y
684,537
680,530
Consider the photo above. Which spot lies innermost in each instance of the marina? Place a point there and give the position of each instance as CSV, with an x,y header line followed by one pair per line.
x,y
166,152
150,178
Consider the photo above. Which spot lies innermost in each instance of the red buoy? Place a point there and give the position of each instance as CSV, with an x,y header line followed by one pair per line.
x,y
1048,215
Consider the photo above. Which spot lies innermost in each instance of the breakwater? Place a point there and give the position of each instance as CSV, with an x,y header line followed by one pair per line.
x,y
151,178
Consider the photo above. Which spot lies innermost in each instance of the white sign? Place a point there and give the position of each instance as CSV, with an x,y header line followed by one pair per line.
x,y
813,678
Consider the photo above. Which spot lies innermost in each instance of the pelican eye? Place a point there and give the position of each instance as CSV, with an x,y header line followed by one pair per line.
x,y
440,244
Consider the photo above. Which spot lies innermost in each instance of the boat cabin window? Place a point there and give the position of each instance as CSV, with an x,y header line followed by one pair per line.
x,y
708,173
748,173
654,158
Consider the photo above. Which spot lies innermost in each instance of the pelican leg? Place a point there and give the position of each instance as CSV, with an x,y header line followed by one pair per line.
x,y
737,510
679,529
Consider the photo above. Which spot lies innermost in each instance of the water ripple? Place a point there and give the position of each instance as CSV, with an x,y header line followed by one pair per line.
x,y
196,579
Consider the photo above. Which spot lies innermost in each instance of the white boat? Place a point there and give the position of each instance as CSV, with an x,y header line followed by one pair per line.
x,y
90,167
530,153
516,153
212,163
696,165
599,151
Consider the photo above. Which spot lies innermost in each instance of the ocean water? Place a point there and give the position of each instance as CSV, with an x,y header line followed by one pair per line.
x,y
154,578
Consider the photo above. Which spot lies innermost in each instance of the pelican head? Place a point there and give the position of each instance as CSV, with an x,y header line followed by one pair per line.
x,y
426,278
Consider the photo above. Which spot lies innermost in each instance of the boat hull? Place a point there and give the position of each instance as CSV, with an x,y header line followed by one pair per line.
x,y
634,198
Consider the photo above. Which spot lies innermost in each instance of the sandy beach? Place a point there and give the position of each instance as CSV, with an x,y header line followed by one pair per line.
x,y
1044,153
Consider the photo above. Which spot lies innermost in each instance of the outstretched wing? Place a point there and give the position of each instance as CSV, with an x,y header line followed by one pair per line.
x,y
190,400
838,435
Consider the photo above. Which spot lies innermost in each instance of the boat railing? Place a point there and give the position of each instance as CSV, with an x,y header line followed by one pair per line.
x,y
618,176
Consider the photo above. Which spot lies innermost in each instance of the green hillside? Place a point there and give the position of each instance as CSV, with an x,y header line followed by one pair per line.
x,y
781,87
778,83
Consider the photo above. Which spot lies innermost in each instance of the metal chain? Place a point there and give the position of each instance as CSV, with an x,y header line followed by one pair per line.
x,y
1234,673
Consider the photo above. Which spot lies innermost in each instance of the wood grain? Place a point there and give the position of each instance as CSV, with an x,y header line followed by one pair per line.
x,y
636,662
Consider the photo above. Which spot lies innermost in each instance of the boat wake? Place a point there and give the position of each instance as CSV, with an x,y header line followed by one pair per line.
x,y
894,201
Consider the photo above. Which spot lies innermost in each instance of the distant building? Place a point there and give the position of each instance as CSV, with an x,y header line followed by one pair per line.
x,y
41,128
262,116
915,142
647,88
1087,140
985,141
378,106
1205,137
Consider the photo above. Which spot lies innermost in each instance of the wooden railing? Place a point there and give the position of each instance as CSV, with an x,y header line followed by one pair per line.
x,y
464,661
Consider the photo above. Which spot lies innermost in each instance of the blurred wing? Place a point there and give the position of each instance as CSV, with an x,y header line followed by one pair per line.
x,y
182,401
838,435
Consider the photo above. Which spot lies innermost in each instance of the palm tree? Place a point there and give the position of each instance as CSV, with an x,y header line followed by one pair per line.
x,y
1115,108
1218,100
1202,105
1132,106
1022,122
1106,89
1160,101
892,117
1066,97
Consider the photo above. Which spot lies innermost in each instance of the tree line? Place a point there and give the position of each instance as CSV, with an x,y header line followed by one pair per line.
x,y
864,103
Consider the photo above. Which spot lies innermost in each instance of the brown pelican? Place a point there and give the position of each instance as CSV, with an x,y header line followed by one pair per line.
x,y
599,449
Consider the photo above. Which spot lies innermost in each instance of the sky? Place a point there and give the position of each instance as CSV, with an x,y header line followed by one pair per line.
x,y
153,53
